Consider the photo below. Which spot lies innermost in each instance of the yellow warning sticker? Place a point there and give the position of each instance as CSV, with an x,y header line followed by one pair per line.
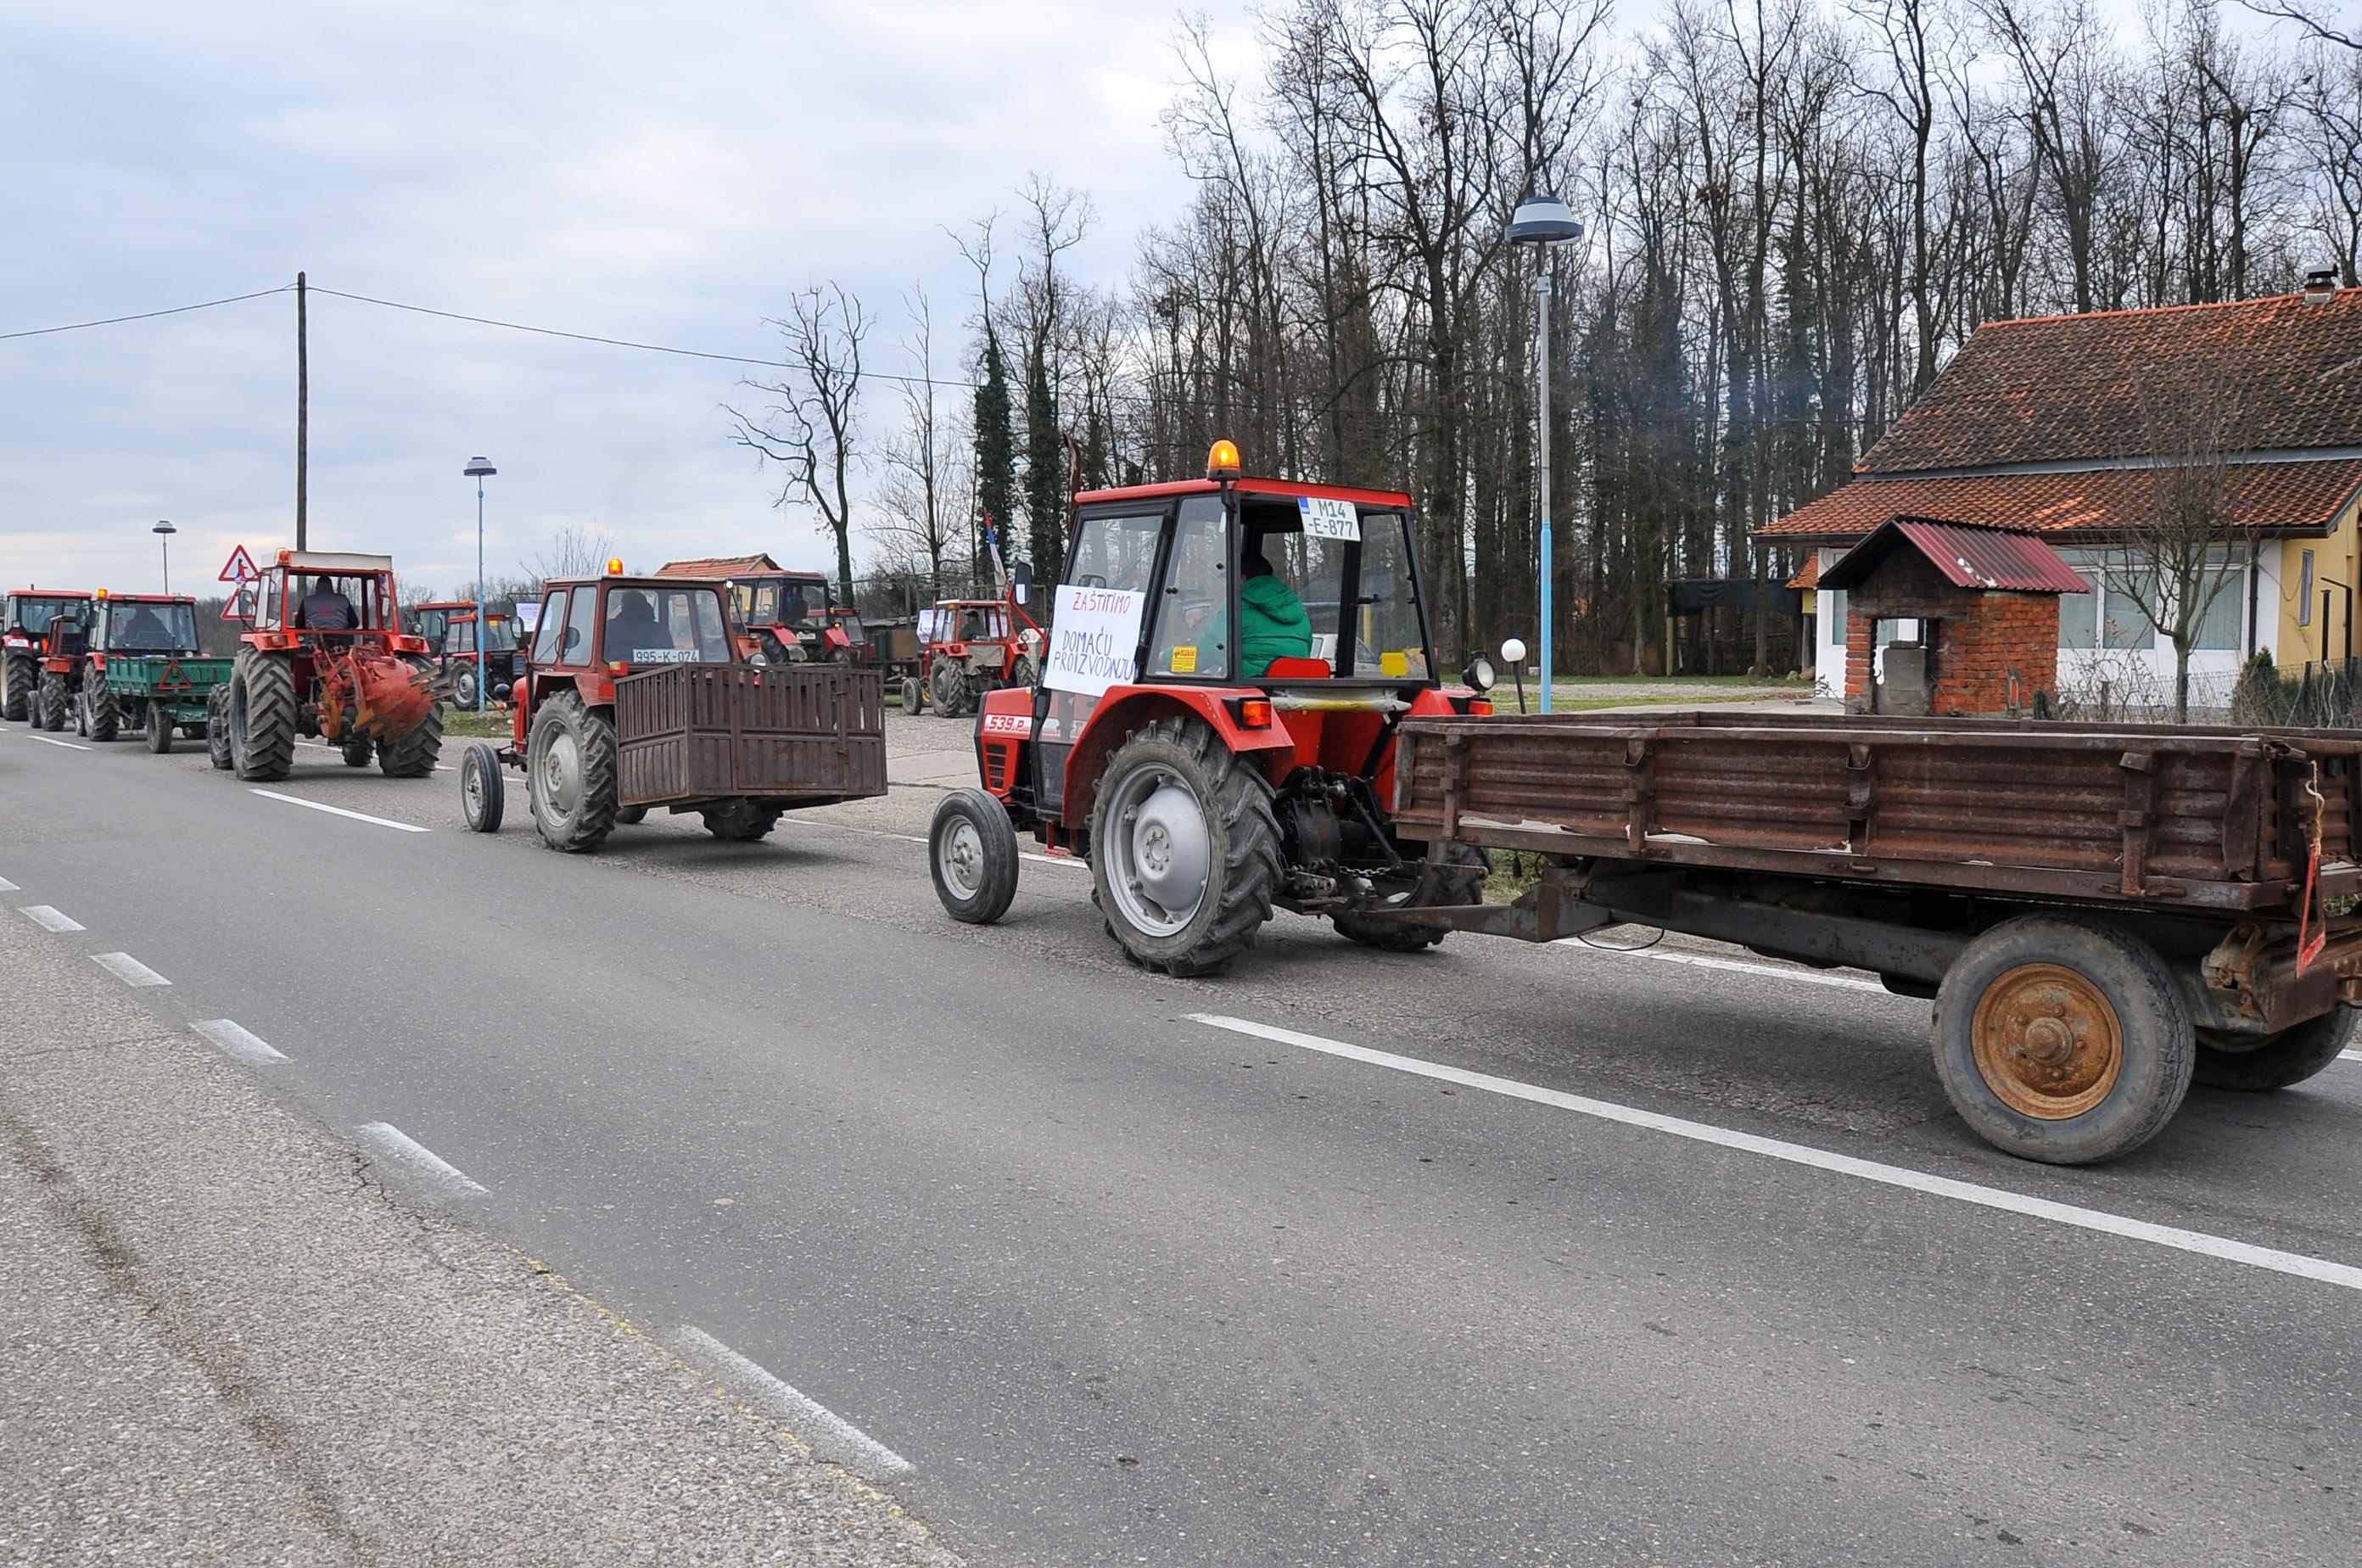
x,y
1394,664
1185,660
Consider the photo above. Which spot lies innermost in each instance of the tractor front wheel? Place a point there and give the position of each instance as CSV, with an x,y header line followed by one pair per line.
x,y
55,703
1022,674
741,821
102,714
18,678
570,774
356,750
914,696
947,689
217,727
972,850
463,688
412,756
1184,849
480,789
160,728
1455,874
263,716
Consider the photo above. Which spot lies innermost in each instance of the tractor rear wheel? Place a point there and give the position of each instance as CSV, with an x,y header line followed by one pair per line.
x,y
571,773
630,816
18,676
217,727
55,703
1455,874
102,714
412,756
972,851
947,689
263,716
914,696
741,821
480,789
2258,1063
1184,849
160,728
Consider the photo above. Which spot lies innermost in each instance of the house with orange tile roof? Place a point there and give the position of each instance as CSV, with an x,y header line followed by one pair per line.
x,y
2054,425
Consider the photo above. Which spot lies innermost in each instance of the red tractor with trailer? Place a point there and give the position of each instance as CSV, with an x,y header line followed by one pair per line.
x,y
24,642
1205,781
638,695
323,655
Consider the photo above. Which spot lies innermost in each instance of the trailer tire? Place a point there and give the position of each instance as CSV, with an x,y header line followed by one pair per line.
x,y
102,714
54,703
630,816
2063,1039
570,770
358,750
741,821
263,716
480,789
972,855
947,689
414,756
1451,879
18,676
914,696
2258,1063
1171,797
160,727
217,727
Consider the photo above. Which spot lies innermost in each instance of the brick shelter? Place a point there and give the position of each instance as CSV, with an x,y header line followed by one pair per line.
x,y
1982,603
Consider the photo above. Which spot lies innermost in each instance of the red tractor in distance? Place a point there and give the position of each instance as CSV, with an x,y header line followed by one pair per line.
x,y
1214,731
24,635
787,616
323,655
973,647
449,626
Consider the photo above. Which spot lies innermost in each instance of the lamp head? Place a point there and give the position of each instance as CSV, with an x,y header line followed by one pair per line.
x,y
479,467
1542,219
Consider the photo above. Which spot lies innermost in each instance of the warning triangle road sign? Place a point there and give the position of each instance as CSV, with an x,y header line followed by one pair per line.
x,y
240,567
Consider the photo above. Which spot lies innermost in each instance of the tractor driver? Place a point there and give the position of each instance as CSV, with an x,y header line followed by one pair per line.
x,y
145,630
1273,624
325,609
633,629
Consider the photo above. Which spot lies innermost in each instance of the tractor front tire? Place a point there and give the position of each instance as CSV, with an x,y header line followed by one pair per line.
x,y
263,716
741,821
18,678
1455,875
56,704
358,750
463,687
217,727
972,852
914,696
947,689
480,789
412,756
2258,1063
570,774
160,728
102,714
1022,674
1185,848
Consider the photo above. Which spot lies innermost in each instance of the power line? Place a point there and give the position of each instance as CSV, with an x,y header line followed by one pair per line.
x,y
144,315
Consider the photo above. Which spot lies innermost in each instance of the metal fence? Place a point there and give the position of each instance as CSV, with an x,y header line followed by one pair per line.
x,y
2313,695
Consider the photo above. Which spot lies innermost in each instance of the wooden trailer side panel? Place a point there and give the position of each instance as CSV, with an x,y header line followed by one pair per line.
x,y
797,734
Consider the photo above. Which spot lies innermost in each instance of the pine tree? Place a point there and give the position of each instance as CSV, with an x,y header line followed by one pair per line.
x,y
1045,470
995,450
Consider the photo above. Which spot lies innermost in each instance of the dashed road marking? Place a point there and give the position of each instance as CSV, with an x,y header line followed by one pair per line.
x,y
324,745
51,740
235,1040
49,918
8,886
340,811
394,1142
830,1434
127,969
2303,1265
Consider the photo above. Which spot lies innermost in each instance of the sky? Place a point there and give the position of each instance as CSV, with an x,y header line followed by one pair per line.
x,y
665,174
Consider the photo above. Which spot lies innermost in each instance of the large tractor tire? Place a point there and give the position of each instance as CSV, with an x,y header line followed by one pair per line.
x,y
972,852
481,788
57,705
158,728
358,750
102,711
1455,874
741,821
1023,673
2258,1063
1185,850
947,689
263,716
19,675
570,772
218,728
2064,1039
412,756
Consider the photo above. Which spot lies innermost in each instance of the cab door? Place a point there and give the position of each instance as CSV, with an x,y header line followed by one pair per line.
x,y
1120,547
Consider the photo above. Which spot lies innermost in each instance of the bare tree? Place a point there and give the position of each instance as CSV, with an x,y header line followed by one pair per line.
x,y
919,519
573,551
812,427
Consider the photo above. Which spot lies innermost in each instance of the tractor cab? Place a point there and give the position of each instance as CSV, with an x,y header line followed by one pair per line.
x,y
592,632
974,647
138,624
448,629
24,620
793,617
1227,662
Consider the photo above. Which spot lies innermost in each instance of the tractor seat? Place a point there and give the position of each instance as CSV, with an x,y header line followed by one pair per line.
x,y
1297,668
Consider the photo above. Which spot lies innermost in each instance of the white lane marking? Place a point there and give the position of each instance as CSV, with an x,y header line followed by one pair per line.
x,y
922,838
127,969
2349,1056
392,1141
340,811
1707,961
324,745
49,918
47,740
830,1434
8,886
2297,1263
236,1041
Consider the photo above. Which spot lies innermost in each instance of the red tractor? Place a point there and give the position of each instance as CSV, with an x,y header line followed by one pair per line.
x,y
449,628
973,647
787,616
323,655
24,639
1214,731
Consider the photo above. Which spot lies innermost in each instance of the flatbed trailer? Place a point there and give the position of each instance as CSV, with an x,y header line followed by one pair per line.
x,y
2100,913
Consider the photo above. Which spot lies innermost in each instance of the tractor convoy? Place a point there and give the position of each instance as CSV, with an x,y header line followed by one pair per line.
x,y
1233,705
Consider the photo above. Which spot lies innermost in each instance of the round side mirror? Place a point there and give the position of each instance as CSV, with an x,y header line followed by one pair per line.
x,y
1478,676
1513,651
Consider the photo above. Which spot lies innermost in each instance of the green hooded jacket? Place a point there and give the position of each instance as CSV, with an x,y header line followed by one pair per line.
x,y
1273,625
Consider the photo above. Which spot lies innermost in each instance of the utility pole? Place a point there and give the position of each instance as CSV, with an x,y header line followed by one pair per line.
x,y
302,411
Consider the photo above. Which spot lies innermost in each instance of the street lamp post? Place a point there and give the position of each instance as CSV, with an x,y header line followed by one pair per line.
x,y
164,532
1542,221
480,469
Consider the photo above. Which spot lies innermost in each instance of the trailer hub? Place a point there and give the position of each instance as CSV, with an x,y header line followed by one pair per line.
x,y
2047,1041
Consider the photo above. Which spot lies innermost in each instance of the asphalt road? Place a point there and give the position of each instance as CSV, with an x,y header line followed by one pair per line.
x,y
1494,1254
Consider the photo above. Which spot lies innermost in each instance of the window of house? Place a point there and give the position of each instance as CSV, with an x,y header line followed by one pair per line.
x,y
2079,614
2226,612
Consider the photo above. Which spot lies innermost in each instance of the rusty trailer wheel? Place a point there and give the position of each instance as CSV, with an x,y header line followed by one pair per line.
x,y
2063,1039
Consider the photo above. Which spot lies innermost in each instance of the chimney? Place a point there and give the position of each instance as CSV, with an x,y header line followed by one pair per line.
x,y
2320,284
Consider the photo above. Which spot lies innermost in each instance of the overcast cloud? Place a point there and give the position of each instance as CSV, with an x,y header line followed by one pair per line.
x,y
661,173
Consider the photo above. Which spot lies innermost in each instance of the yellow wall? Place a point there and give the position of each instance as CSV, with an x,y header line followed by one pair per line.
x,y
2335,559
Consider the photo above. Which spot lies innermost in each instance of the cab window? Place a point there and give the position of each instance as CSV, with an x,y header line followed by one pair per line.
x,y
582,628
1388,639
669,625
553,625
1193,623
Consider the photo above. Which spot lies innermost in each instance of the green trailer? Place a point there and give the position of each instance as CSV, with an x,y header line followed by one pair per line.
x,y
145,673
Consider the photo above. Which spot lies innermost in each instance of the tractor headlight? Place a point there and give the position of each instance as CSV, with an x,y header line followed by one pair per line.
x,y
760,660
1479,677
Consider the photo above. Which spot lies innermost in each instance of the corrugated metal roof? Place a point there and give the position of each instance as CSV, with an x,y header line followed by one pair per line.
x,y
2001,560
718,566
